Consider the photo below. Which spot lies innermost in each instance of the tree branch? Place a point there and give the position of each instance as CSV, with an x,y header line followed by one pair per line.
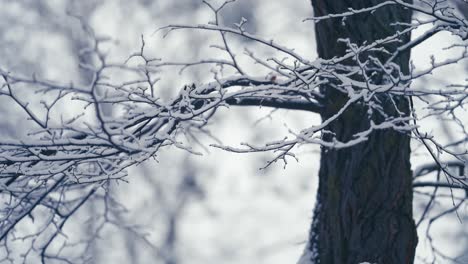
x,y
439,185
277,103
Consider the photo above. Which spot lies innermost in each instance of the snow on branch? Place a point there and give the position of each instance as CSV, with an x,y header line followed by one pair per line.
x,y
61,153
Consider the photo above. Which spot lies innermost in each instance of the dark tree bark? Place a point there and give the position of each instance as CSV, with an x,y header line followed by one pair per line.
x,y
364,201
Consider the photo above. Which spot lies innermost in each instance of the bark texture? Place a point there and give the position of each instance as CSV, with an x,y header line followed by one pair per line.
x,y
364,201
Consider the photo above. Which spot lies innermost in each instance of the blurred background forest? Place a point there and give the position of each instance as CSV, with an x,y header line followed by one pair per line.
x,y
219,207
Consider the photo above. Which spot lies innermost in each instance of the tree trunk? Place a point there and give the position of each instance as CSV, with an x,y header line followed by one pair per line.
x,y
364,200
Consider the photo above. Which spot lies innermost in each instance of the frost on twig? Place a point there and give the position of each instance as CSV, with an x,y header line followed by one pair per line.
x,y
63,153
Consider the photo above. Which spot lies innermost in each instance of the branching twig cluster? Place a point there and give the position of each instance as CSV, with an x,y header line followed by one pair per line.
x,y
63,154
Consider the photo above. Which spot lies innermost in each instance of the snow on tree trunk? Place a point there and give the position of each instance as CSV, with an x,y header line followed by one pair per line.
x,y
364,200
